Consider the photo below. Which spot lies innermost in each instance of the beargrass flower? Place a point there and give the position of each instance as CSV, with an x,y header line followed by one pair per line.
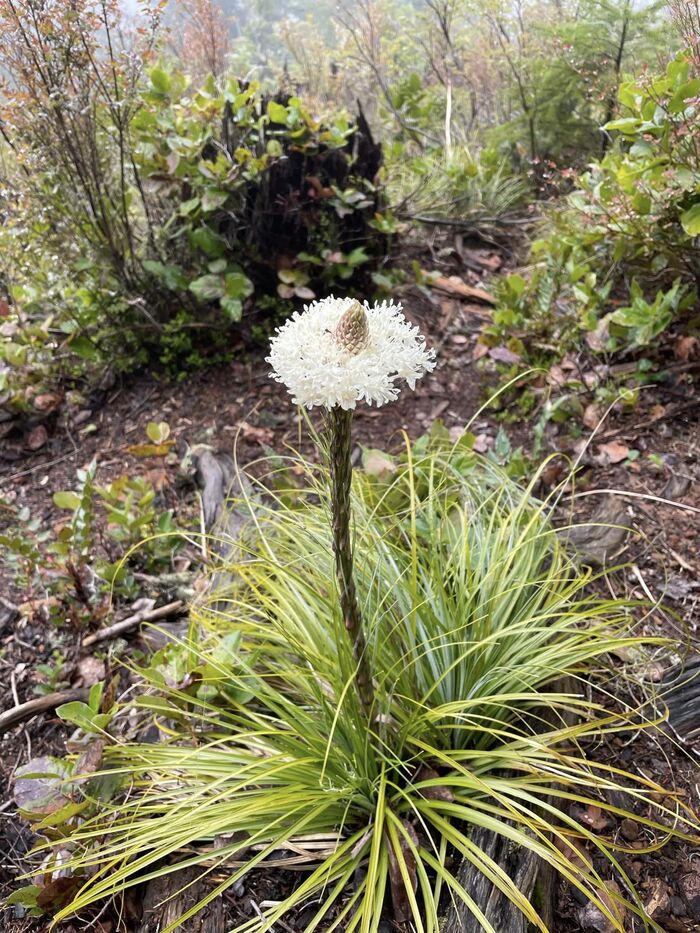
x,y
338,352
335,354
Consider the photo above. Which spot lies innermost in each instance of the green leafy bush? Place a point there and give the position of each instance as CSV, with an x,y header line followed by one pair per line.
x,y
473,613
142,214
628,235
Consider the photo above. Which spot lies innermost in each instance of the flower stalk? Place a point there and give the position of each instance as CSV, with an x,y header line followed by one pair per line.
x,y
340,429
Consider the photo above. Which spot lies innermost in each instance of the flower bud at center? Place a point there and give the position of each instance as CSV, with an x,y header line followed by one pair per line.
x,y
352,330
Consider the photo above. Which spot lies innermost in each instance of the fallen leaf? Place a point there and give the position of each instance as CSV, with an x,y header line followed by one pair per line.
x,y
262,436
37,437
612,452
556,376
58,893
591,415
593,919
686,348
658,902
377,463
594,817
41,786
150,450
504,355
480,350
598,339
399,894
482,443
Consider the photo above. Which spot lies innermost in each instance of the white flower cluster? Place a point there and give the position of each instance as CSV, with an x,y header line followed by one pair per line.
x,y
307,357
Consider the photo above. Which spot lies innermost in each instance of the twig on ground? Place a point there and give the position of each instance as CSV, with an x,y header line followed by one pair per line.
x,y
147,615
25,711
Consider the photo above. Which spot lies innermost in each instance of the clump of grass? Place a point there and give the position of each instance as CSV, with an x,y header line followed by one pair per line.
x,y
473,614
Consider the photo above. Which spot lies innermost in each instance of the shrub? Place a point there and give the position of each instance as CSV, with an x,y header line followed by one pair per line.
x,y
142,213
474,612
627,236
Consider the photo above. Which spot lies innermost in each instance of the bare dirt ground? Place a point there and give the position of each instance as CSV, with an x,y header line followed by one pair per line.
x,y
238,403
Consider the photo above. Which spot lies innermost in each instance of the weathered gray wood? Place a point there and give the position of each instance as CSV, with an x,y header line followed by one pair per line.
x,y
166,900
520,863
680,694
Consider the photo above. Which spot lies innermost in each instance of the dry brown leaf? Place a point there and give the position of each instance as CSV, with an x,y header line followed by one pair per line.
x,y
686,348
453,285
480,350
504,355
91,671
46,402
591,415
594,817
612,452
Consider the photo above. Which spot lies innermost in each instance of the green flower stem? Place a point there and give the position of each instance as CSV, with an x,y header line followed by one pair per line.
x,y
340,429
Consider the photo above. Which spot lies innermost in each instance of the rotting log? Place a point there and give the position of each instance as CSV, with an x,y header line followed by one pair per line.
x,y
531,875
680,695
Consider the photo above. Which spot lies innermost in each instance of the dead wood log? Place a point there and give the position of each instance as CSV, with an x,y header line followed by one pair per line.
x,y
166,899
525,868
680,695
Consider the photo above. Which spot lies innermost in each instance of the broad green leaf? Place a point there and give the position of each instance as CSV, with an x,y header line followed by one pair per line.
x,y
66,500
277,112
690,220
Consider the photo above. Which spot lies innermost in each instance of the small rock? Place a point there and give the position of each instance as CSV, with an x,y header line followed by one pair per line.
x,y
594,920
591,919
37,437
629,830
690,886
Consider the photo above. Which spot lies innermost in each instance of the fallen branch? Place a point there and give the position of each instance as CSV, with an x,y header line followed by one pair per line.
x,y
453,285
146,615
24,711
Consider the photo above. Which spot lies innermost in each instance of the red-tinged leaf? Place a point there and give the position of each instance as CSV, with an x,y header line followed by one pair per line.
x,y
285,291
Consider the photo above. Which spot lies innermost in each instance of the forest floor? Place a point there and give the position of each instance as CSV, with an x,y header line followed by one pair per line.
x,y
238,403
